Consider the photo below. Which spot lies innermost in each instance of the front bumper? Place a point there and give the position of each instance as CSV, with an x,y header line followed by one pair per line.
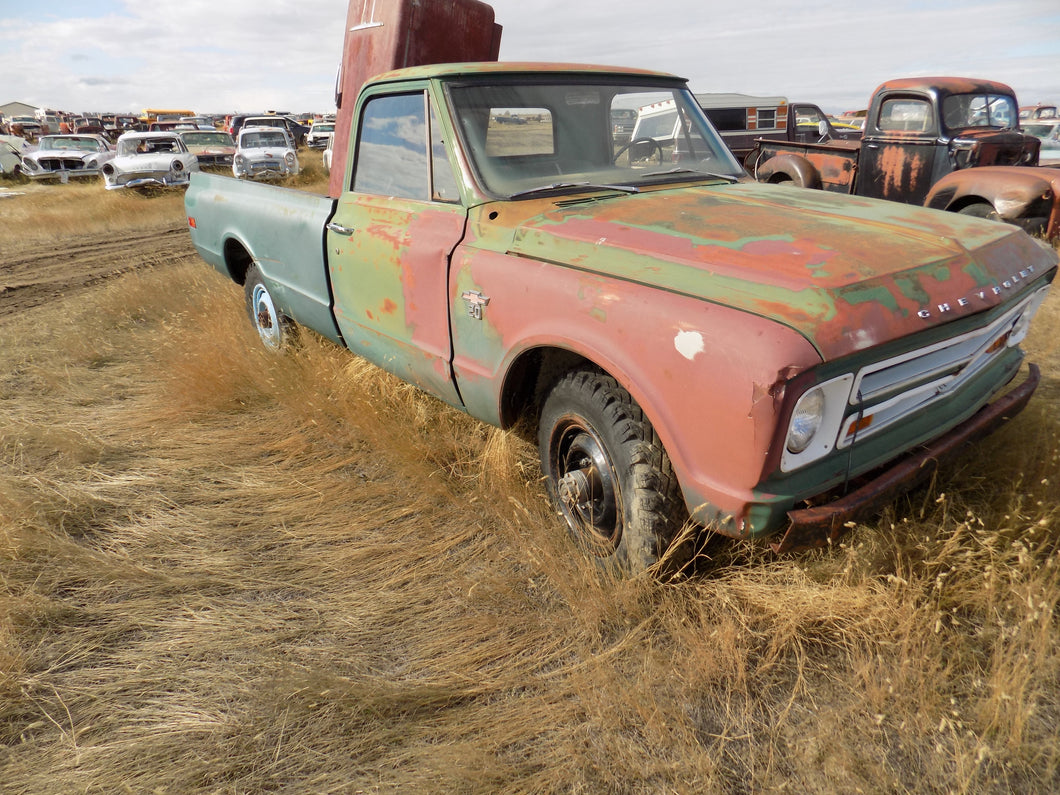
x,y
821,525
151,182
61,175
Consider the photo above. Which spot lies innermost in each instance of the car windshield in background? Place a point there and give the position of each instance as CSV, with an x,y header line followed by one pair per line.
x,y
961,111
540,137
66,142
141,146
263,139
206,138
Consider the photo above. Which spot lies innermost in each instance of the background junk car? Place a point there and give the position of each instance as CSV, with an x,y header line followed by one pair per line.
x,y
264,153
10,158
149,159
317,137
214,149
66,157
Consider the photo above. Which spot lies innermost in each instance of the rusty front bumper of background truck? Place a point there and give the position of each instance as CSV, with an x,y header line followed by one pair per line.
x,y
821,525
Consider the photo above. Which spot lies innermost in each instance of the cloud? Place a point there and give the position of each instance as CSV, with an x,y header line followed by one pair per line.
x,y
248,55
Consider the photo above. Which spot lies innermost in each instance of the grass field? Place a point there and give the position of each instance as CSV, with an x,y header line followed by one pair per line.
x,y
227,571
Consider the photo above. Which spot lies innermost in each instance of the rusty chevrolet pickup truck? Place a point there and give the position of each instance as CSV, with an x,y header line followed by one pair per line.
x,y
944,142
685,344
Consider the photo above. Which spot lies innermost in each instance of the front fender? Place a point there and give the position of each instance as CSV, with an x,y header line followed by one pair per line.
x,y
1023,195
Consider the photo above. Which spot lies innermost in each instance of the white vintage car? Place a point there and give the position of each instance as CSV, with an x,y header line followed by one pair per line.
x,y
150,160
317,137
264,153
66,157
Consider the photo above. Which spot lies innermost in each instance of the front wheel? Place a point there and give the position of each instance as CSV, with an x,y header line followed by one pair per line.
x,y
275,329
980,210
608,474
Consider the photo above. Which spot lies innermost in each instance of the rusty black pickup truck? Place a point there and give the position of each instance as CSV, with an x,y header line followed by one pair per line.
x,y
943,142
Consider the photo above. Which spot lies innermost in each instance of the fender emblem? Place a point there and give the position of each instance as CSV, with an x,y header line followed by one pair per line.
x,y
475,302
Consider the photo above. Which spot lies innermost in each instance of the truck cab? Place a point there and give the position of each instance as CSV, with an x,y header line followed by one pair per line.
x,y
918,131
948,143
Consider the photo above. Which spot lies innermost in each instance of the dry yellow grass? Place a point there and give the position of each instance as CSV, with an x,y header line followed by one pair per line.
x,y
228,571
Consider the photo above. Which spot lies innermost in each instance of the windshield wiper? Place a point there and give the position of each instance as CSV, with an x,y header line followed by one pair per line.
x,y
709,174
563,186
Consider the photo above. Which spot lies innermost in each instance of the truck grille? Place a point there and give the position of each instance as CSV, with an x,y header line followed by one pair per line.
x,y
886,392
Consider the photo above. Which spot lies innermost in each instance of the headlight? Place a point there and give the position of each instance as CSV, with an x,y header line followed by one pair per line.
x,y
30,165
177,166
805,420
289,157
815,422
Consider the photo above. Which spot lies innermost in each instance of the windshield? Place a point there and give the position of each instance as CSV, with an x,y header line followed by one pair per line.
x,y
207,138
961,111
524,137
258,140
141,146
68,142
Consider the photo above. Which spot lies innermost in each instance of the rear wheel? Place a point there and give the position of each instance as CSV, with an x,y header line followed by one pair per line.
x,y
608,474
275,329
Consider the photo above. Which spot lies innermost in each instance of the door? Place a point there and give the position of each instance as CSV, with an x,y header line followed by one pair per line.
x,y
898,151
389,244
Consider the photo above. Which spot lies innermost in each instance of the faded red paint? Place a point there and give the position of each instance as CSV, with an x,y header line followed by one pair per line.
x,y
900,169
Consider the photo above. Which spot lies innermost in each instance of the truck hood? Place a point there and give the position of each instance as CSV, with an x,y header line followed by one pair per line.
x,y
846,273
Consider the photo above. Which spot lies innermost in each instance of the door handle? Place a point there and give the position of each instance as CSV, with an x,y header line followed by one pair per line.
x,y
339,229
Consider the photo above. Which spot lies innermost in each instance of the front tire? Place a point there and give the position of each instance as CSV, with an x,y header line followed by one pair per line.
x,y
608,475
980,210
275,329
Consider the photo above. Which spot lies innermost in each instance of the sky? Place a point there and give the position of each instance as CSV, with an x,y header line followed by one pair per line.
x,y
216,56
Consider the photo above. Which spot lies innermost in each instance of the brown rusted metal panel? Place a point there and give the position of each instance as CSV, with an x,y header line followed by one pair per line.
x,y
823,524
382,35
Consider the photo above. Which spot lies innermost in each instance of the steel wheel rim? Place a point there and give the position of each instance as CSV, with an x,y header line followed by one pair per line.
x,y
265,318
587,485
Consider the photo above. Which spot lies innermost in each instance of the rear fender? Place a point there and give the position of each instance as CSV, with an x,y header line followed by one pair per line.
x,y
1022,195
790,168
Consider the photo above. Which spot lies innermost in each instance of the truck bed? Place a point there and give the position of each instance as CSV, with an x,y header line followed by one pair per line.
x,y
283,232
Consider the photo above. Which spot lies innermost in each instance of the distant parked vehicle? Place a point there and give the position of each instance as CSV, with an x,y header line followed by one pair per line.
x,y
214,149
297,131
327,153
66,157
317,137
200,122
1048,132
1036,112
264,153
10,158
26,126
150,160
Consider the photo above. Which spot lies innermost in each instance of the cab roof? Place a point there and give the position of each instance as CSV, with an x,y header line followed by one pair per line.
x,y
475,68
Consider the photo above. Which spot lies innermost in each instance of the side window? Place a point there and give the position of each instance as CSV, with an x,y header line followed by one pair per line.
x,y
906,115
392,149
